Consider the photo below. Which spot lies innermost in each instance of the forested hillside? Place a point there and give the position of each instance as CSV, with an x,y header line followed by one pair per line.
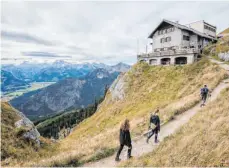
x,y
60,125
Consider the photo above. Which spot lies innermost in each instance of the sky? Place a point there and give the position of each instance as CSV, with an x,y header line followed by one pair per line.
x,y
107,32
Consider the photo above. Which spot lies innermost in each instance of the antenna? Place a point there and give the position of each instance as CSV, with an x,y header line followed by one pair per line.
x,y
137,46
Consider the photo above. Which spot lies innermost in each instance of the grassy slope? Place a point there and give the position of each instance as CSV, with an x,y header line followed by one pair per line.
x,y
225,31
173,89
221,46
14,149
204,141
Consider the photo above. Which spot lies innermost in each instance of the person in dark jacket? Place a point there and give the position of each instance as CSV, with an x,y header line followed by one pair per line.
x,y
154,125
125,139
204,94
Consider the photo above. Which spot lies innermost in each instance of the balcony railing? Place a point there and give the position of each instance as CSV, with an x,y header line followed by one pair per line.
x,y
169,53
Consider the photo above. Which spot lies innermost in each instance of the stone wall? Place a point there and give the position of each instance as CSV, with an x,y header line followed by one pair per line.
x,y
190,58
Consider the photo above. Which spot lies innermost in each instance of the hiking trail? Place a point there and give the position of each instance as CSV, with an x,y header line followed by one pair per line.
x,y
140,147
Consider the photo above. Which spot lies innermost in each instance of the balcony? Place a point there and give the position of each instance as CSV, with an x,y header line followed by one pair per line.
x,y
169,53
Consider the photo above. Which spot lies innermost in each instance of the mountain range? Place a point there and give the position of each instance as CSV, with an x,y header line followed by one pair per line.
x,y
58,70
10,83
65,94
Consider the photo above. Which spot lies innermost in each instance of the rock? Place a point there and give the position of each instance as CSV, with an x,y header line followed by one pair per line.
x,y
117,89
224,56
33,134
31,131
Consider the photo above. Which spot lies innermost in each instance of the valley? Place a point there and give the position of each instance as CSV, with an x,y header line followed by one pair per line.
x,y
67,94
32,87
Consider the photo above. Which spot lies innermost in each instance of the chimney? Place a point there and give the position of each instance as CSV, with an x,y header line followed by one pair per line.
x,y
177,22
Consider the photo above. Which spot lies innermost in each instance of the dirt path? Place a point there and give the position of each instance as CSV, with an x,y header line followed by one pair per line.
x,y
140,146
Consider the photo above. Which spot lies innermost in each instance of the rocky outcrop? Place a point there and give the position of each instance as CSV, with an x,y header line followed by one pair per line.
x,y
224,56
19,138
117,89
27,125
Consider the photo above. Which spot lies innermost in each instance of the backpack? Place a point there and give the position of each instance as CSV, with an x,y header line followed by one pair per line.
x,y
204,91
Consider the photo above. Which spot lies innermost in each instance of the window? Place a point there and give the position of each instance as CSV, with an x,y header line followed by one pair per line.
x,y
162,40
164,31
209,28
186,38
168,39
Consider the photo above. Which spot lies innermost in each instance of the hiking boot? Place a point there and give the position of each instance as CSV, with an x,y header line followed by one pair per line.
x,y
117,159
156,141
129,157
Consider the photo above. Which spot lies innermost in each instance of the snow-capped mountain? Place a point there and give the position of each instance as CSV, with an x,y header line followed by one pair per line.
x,y
120,67
58,70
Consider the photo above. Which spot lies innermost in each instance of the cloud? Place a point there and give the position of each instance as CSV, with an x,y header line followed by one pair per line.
x,y
94,31
23,37
43,54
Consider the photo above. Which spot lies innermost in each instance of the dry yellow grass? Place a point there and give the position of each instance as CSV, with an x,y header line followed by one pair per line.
x,y
173,89
226,31
204,141
15,150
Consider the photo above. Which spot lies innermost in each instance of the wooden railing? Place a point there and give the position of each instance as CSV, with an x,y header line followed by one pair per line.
x,y
168,53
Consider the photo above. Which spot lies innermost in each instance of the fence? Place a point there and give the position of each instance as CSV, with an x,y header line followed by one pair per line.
x,y
168,53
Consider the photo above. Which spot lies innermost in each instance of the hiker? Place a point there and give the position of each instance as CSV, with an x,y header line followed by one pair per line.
x,y
154,125
124,139
204,94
